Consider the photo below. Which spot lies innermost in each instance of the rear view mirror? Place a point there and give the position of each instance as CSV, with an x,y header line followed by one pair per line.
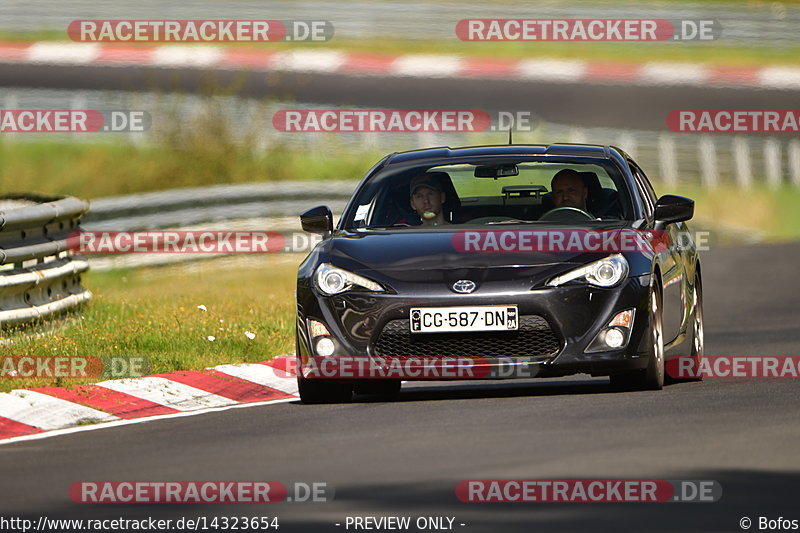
x,y
317,220
671,208
496,171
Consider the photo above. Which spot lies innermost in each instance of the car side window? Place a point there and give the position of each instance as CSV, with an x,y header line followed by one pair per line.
x,y
645,189
647,185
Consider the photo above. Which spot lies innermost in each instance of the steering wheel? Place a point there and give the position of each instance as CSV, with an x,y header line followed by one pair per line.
x,y
566,214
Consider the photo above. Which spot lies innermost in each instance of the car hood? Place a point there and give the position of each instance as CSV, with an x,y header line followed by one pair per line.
x,y
416,256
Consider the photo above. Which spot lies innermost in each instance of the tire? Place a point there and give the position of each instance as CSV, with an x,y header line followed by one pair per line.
x,y
697,350
698,330
384,388
314,391
654,373
652,377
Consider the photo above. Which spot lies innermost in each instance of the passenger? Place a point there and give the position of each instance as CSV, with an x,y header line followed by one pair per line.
x,y
569,190
427,199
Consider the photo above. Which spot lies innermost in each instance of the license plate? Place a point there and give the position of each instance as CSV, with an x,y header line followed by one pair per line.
x,y
460,319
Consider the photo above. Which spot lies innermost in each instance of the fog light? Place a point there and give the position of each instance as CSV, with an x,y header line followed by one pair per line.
x,y
614,338
615,335
325,347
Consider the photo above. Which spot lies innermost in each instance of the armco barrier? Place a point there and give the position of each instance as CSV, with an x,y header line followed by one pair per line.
x,y
39,277
182,207
248,206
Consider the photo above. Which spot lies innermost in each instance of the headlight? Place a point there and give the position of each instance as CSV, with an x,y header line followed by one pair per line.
x,y
332,280
606,272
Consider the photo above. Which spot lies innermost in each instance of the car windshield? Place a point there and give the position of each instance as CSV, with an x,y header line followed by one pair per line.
x,y
490,194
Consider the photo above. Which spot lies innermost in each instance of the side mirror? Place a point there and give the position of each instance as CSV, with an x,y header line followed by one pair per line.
x,y
317,220
671,208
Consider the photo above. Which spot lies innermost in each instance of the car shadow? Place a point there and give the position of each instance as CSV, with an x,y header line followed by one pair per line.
x,y
420,391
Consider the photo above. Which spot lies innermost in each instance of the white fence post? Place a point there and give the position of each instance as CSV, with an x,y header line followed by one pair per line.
x,y
667,160
741,159
772,163
428,139
10,102
707,153
261,113
794,161
577,136
369,140
628,143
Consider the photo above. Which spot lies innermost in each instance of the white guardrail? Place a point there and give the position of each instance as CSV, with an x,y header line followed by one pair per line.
x,y
742,161
39,277
752,23
245,207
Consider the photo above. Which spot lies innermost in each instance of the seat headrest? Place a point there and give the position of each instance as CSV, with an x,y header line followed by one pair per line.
x,y
592,182
452,201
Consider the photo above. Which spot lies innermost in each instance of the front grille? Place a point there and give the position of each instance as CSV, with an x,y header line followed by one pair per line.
x,y
534,338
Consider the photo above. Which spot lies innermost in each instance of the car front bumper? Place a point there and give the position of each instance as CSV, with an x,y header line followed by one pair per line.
x,y
572,317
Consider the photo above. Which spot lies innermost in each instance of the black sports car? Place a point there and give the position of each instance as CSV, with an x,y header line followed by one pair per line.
x,y
496,262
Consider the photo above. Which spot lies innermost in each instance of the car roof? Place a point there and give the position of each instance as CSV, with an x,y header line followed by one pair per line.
x,y
561,150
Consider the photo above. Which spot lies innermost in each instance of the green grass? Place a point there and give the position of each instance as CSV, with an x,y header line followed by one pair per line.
x,y
774,212
96,170
183,150
153,313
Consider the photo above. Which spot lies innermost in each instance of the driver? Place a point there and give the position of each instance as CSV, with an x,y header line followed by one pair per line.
x,y
427,197
569,190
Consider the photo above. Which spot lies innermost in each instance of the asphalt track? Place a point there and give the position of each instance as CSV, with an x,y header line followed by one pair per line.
x,y
404,458
615,106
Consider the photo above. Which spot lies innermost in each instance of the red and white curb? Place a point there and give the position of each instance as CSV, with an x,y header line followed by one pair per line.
x,y
413,65
29,413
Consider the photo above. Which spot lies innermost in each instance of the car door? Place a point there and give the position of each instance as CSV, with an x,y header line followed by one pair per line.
x,y
672,267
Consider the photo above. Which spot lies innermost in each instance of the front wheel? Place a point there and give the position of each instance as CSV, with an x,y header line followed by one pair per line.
x,y
654,374
698,341
652,377
324,390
